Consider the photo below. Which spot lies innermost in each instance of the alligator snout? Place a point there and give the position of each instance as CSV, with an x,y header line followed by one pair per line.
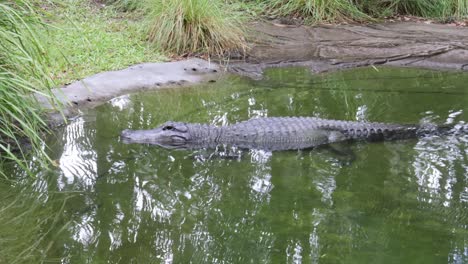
x,y
129,135
125,133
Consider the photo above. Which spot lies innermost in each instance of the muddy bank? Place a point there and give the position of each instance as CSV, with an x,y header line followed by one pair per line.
x,y
99,88
325,48
321,48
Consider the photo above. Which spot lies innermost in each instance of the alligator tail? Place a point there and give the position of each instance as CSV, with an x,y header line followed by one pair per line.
x,y
442,130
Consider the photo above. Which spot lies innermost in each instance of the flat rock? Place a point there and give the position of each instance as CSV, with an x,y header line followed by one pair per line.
x,y
101,87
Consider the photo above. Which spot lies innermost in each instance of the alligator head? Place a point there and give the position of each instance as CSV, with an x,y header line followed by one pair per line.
x,y
168,135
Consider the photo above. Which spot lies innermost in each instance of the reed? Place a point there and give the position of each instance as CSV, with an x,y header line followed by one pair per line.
x,y
23,72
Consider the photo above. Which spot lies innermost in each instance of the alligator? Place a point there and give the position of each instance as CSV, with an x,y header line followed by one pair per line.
x,y
274,133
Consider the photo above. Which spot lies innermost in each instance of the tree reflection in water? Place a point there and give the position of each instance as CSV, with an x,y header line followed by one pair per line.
x,y
397,202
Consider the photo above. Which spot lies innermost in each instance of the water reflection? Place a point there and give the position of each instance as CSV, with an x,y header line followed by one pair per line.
x,y
78,159
121,102
143,204
436,163
261,175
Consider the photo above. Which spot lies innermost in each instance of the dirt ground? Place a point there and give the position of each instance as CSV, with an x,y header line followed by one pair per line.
x,y
331,47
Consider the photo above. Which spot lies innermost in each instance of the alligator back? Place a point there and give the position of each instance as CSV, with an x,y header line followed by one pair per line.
x,y
272,133
281,133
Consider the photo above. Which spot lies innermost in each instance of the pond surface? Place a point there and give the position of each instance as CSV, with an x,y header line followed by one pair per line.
x,y
396,202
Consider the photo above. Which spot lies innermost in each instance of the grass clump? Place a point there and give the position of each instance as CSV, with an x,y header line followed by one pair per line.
x,y
361,10
23,72
125,5
191,26
316,10
424,8
427,8
461,9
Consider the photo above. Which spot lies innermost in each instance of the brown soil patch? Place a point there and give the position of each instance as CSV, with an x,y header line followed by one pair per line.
x,y
330,47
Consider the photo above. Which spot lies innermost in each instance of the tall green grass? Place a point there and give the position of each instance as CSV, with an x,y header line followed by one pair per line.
x,y
23,72
316,10
461,9
191,26
424,8
336,10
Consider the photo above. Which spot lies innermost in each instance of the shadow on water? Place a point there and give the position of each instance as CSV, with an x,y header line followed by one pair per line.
x,y
396,202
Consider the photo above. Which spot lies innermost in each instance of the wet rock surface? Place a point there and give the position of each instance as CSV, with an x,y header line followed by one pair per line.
x,y
101,87
327,47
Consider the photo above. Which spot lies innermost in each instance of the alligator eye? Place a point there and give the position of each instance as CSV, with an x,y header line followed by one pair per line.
x,y
169,127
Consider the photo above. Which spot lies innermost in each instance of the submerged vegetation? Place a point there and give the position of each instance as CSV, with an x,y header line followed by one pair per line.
x,y
29,225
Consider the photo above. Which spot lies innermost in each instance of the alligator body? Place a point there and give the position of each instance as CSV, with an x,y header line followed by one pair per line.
x,y
270,133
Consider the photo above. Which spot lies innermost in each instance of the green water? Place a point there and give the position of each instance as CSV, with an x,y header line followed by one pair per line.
x,y
396,202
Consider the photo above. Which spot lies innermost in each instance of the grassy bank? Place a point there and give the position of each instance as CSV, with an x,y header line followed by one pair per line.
x,y
104,35
93,37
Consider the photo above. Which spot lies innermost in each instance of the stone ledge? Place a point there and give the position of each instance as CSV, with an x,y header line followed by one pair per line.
x,y
99,88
